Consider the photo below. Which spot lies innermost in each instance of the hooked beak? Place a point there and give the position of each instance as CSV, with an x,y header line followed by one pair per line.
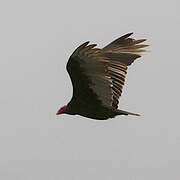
x,y
61,110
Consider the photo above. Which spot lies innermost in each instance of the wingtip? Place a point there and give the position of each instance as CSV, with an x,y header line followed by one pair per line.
x,y
86,43
138,115
126,35
80,47
130,33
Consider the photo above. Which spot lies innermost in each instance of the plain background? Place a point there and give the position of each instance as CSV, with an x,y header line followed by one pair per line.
x,y
36,39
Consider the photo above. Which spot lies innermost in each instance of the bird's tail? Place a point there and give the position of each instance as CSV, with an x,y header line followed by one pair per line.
x,y
121,112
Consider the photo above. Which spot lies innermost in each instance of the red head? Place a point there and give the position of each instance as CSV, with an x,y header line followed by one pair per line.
x,y
61,110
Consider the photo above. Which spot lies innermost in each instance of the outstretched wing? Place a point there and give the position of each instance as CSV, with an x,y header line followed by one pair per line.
x,y
87,68
98,75
121,53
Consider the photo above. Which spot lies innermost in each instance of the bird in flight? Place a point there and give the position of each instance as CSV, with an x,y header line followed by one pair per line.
x,y
98,76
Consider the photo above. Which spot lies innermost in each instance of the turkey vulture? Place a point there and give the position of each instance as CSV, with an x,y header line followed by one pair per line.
x,y
98,76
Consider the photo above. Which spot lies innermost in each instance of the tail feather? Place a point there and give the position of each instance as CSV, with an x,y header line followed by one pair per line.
x,y
121,112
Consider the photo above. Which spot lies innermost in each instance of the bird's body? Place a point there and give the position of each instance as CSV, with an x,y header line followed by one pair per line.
x,y
98,76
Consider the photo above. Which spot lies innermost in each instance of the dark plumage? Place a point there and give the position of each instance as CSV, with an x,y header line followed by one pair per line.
x,y
98,76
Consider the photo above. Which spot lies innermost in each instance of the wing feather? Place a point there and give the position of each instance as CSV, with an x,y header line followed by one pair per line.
x,y
122,52
87,69
98,75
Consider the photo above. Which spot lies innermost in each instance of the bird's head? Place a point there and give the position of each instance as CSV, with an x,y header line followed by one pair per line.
x,y
62,110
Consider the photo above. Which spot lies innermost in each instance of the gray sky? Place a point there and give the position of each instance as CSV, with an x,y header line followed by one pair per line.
x,y
36,39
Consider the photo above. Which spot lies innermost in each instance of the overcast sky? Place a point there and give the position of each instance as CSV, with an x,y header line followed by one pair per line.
x,y
36,39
